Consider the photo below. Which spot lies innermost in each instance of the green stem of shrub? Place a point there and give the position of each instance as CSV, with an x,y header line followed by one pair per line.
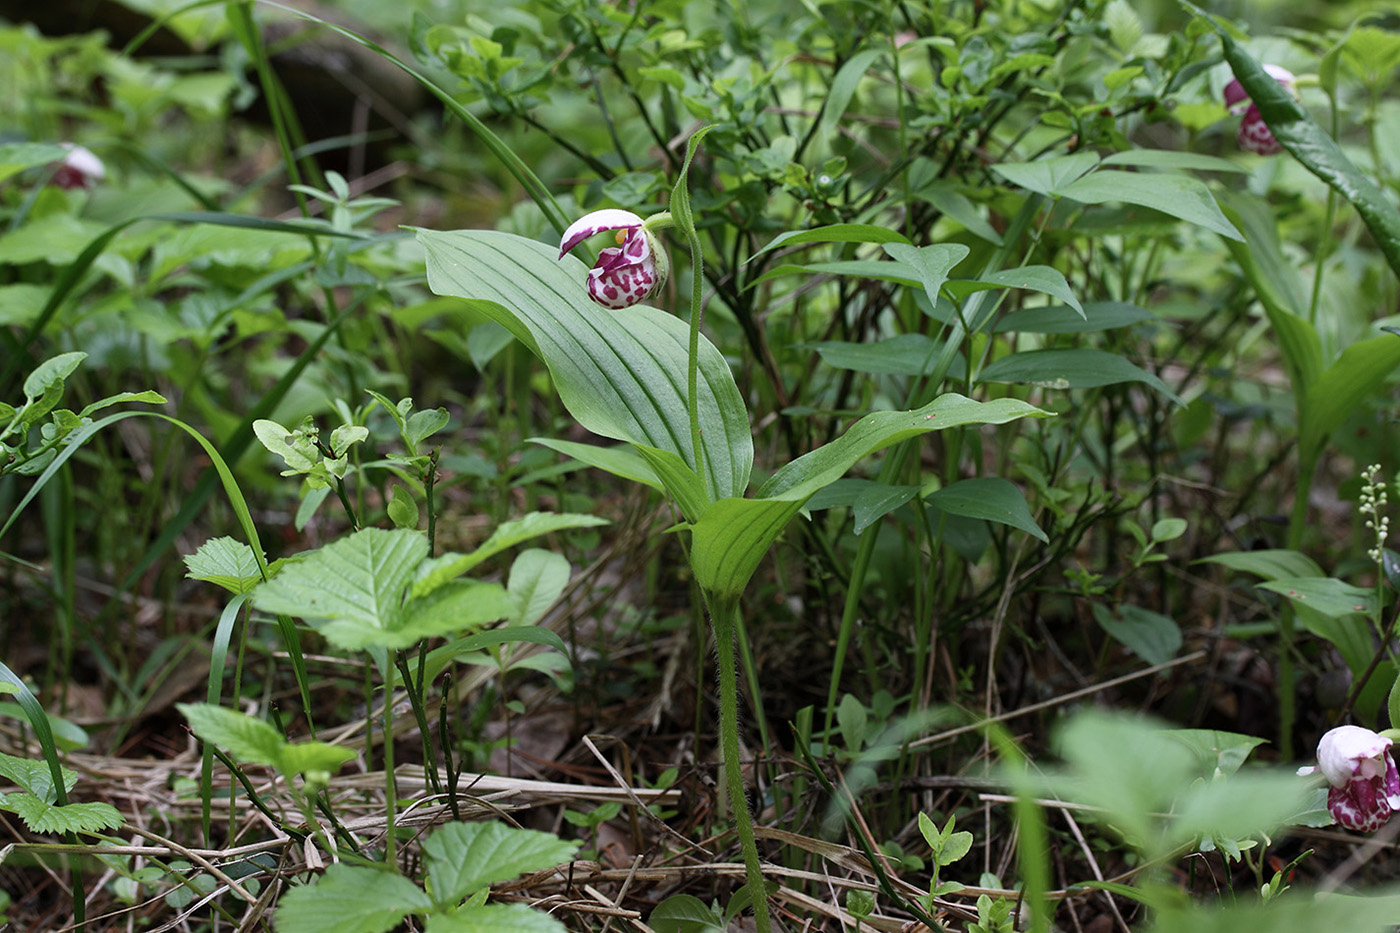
x,y
390,788
724,614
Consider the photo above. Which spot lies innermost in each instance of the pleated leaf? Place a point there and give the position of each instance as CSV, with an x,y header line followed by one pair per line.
x,y
621,374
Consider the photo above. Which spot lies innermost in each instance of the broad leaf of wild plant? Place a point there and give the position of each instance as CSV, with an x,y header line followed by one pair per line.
x,y
464,858
350,899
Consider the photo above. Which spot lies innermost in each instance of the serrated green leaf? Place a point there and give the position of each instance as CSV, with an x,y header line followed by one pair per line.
x,y
43,817
1178,195
248,739
438,571
305,757
495,918
359,579
350,899
35,776
1078,368
466,857
990,498
225,562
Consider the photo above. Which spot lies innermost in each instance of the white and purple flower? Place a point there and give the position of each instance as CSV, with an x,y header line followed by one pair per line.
x,y
1254,134
625,274
79,168
1363,784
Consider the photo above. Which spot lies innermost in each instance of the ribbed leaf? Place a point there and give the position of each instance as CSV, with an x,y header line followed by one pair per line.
x,y
732,535
465,857
1310,145
350,900
440,570
1358,374
621,374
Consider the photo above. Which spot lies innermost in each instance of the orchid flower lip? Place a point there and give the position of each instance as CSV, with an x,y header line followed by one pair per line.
x,y
607,219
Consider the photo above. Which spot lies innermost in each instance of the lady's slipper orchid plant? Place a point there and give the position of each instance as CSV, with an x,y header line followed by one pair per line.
x,y
630,272
1364,786
1254,134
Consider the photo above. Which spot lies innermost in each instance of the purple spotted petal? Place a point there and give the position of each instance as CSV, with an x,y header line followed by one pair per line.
x,y
624,275
597,222
1255,136
1359,805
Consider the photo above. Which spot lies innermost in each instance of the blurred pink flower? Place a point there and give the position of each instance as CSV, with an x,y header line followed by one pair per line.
x,y
1363,784
625,274
79,169
1254,134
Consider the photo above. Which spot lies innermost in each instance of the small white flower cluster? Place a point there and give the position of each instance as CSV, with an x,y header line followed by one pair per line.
x,y
1373,502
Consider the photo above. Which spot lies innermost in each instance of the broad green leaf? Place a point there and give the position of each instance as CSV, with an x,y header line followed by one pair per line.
x,y
299,453
948,200
851,720
1298,911
1269,564
733,535
622,460
677,478
990,498
1361,372
621,374
249,740
1079,368
402,509
1237,807
930,263
439,570
359,579
439,658
537,580
878,501
226,562
835,233
685,913
350,899
1041,279
52,372
1178,195
843,88
877,269
901,355
16,157
43,817
1174,159
1310,145
1047,176
1326,595
1060,319
1151,636
495,918
1222,751
465,857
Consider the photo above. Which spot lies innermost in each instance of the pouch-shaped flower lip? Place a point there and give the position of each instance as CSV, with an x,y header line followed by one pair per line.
x,y
625,274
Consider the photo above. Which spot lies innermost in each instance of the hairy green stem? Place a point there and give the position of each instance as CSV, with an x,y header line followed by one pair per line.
x,y
724,614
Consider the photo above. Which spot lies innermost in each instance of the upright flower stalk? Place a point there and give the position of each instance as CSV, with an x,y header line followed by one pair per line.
x,y
624,275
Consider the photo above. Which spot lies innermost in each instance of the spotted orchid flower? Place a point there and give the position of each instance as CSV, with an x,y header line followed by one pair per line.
x,y
1363,784
633,270
79,168
1254,135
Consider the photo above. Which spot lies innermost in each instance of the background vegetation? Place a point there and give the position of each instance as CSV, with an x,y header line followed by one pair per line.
x,y
222,362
